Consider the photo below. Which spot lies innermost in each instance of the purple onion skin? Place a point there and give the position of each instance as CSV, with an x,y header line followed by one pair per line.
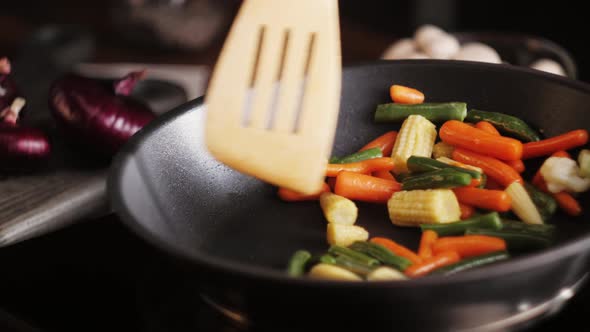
x,y
89,111
22,148
8,91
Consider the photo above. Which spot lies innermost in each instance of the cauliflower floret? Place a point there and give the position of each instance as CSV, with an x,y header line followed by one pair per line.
x,y
563,174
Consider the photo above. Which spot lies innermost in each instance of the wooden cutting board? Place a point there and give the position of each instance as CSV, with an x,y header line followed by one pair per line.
x,y
73,186
34,204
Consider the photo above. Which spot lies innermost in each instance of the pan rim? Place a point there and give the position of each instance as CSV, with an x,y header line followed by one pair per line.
x,y
265,274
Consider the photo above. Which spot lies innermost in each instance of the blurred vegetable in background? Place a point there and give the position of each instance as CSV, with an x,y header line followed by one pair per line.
x,y
98,113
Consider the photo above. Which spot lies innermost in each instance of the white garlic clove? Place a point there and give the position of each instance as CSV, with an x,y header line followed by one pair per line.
x,y
478,52
426,33
417,55
548,65
401,49
444,46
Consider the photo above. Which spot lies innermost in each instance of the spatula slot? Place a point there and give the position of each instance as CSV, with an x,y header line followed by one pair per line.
x,y
310,53
274,104
249,98
259,46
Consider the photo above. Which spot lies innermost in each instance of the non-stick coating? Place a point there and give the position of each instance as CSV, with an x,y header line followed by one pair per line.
x,y
167,187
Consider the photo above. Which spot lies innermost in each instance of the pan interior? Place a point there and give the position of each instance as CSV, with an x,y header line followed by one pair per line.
x,y
174,192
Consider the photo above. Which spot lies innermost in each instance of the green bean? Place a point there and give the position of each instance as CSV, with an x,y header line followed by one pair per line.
x,y
358,156
383,254
487,221
298,262
353,254
435,112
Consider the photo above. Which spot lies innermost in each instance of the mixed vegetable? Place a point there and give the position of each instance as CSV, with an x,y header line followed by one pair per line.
x,y
466,192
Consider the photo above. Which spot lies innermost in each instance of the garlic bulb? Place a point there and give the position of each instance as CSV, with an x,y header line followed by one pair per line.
x,y
548,65
443,46
477,52
426,33
401,49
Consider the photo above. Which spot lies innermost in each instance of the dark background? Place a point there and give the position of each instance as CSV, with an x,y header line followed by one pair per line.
x,y
96,275
367,26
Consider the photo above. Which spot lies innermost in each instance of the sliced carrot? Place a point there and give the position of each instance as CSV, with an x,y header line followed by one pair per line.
x,y
386,175
365,188
469,245
496,200
517,165
493,185
466,210
565,200
404,95
426,240
494,168
365,166
293,196
432,263
397,249
464,136
548,146
384,142
487,127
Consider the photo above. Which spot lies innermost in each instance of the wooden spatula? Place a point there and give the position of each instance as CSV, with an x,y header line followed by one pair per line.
x,y
273,99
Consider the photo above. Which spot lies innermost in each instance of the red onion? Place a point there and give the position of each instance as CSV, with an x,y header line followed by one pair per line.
x,y
21,148
8,89
98,114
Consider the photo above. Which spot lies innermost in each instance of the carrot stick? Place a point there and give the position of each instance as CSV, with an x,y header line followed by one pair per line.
x,y
466,210
404,95
547,146
487,127
293,196
561,154
331,182
365,188
496,200
365,166
568,203
517,165
397,249
464,136
427,239
469,245
386,175
494,168
432,263
493,185
475,182
565,200
384,142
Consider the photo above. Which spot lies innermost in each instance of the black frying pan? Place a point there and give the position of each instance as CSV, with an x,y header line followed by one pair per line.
x,y
234,236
